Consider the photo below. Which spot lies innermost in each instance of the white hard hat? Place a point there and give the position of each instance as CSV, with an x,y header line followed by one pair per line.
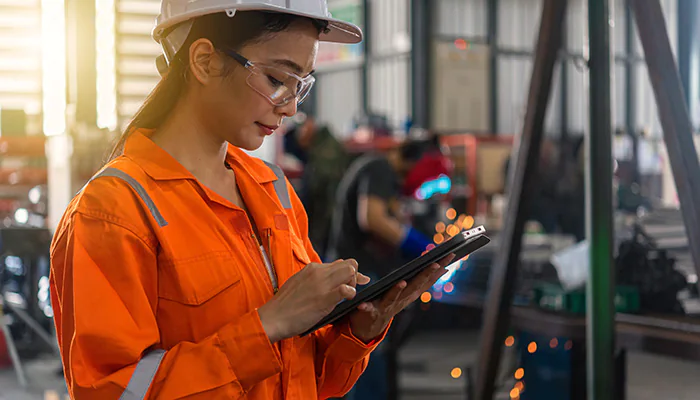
x,y
176,17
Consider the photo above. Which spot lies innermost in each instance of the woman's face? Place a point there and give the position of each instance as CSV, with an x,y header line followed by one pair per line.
x,y
235,112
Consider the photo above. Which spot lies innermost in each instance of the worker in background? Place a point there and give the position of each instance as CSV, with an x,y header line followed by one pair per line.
x,y
367,223
184,268
324,160
427,185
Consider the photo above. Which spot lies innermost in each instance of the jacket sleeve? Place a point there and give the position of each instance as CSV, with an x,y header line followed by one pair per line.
x,y
340,356
104,293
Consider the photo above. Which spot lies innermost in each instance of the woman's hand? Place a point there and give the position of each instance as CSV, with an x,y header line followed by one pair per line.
x,y
371,319
308,296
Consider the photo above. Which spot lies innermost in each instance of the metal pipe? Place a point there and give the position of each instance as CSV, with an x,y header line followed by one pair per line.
x,y
492,39
420,62
564,99
688,42
522,177
600,327
631,91
367,53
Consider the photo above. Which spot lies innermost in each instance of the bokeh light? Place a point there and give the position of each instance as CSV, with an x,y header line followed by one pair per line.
x,y
519,373
532,347
510,340
440,227
426,297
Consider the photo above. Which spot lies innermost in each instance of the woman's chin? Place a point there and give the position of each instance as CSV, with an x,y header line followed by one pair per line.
x,y
251,144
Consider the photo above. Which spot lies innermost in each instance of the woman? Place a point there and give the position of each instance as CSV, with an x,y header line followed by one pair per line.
x,y
184,269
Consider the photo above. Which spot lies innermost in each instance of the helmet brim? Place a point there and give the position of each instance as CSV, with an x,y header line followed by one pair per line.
x,y
338,31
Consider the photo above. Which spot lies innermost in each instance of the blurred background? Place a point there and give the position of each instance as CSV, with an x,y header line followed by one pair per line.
x,y
450,75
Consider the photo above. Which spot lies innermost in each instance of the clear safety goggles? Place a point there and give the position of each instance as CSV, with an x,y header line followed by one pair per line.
x,y
279,87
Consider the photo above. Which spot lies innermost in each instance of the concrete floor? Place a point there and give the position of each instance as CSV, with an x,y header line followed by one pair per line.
x,y
427,362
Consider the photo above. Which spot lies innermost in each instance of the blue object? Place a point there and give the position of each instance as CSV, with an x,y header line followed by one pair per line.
x,y
548,370
414,244
441,185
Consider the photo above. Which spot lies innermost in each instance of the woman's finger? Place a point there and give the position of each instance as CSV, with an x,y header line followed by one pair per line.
x,y
353,280
392,296
362,279
434,274
426,278
366,307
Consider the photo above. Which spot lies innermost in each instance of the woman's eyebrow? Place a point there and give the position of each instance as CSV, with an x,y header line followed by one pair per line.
x,y
291,65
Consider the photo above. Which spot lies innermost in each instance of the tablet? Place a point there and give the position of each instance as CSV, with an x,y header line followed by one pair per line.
x,y
461,245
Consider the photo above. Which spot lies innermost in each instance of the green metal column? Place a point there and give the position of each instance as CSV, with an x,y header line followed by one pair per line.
x,y
599,210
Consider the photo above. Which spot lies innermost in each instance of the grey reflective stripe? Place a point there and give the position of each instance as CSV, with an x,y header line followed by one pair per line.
x,y
143,375
116,173
280,186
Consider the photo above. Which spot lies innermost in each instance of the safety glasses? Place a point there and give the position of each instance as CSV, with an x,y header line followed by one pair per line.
x,y
279,87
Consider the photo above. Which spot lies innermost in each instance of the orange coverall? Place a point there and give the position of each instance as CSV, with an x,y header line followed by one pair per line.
x,y
156,282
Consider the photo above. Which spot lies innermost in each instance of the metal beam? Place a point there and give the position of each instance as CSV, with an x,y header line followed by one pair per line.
x,y
631,92
564,90
675,119
522,177
600,327
421,34
367,53
689,49
492,40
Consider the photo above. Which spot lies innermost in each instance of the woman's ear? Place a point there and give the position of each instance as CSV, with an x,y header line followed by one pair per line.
x,y
204,65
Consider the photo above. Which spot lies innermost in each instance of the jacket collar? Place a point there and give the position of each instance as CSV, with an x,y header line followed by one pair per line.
x,y
160,165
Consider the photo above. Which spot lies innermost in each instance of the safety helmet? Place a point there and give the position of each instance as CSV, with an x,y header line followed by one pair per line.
x,y
176,17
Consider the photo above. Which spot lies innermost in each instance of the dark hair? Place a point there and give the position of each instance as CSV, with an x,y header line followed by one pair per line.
x,y
413,150
233,33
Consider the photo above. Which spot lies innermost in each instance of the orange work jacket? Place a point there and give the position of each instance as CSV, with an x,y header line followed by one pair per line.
x,y
156,281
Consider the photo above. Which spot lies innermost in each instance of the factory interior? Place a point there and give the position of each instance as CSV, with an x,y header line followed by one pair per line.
x,y
566,129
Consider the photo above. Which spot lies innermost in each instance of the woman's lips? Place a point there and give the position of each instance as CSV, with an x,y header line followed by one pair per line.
x,y
266,130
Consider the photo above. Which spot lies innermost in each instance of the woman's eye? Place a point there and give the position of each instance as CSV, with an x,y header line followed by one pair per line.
x,y
275,82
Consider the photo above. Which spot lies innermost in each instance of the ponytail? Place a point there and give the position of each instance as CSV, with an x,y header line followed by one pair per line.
x,y
157,106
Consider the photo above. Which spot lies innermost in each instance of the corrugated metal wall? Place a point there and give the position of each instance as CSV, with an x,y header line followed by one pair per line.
x,y
136,55
389,63
339,87
339,91
21,59
460,18
339,98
